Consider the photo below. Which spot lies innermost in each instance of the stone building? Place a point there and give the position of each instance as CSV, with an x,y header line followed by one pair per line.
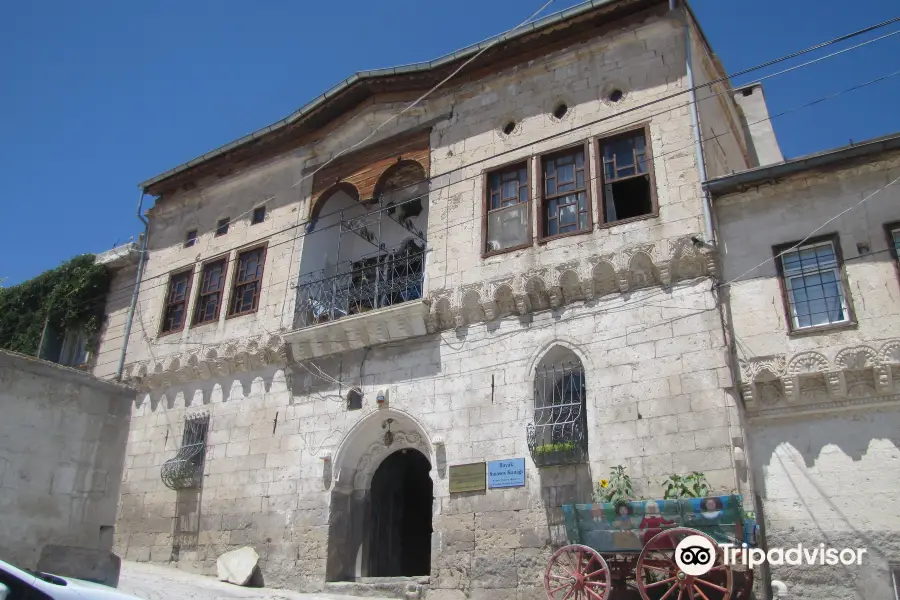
x,y
809,250
333,315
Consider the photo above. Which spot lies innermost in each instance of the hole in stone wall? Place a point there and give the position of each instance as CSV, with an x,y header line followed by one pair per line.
x,y
747,91
354,400
560,111
616,95
509,127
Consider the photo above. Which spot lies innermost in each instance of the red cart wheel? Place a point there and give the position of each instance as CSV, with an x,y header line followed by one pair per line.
x,y
659,578
576,572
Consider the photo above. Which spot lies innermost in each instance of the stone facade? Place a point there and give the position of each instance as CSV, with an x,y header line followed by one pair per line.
x,y
822,404
288,467
62,444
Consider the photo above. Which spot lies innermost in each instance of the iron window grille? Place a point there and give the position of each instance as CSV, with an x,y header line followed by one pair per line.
x,y
813,287
507,225
627,179
566,205
247,282
209,296
185,469
177,295
559,432
371,283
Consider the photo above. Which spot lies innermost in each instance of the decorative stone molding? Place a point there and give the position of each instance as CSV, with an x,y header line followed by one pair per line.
x,y
377,451
808,382
644,265
227,358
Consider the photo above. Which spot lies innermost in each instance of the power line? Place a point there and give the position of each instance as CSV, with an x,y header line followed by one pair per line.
x,y
592,177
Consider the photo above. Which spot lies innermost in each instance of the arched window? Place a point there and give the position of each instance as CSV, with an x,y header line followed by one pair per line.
x,y
558,434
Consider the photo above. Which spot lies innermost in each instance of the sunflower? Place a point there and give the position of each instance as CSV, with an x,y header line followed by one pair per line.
x,y
604,483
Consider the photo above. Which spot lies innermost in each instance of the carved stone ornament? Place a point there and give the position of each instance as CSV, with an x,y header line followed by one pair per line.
x,y
228,358
808,382
378,451
643,265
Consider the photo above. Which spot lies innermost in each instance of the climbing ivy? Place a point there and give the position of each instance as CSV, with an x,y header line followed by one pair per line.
x,y
72,295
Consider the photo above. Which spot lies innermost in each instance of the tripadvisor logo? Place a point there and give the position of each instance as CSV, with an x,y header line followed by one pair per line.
x,y
696,555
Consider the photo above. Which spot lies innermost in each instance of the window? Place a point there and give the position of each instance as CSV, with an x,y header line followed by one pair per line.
x,y
895,579
191,238
811,276
176,302
74,348
209,297
558,434
566,206
222,226
247,282
628,190
259,215
507,225
893,232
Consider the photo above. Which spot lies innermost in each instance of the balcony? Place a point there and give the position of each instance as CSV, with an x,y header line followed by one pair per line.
x,y
378,300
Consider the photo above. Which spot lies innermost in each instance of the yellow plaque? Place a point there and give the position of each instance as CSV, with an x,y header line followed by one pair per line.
x,y
468,478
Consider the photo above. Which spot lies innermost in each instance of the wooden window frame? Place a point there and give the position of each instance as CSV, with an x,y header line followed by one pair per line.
x,y
219,226
599,142
541,199
486,200
234,283
889,229
253,220
188,240
834,238
196,308
187,301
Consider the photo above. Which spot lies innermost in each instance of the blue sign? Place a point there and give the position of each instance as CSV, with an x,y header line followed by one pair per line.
x,y
506,473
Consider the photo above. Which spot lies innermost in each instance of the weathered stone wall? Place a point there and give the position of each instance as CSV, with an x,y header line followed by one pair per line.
x,y
62,445
105,361
649,337
825,460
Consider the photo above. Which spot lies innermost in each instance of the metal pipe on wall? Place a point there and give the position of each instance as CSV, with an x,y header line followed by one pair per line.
x,y
137,285
709,233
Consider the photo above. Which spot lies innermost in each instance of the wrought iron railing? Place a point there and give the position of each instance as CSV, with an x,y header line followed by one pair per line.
x,y
558,434
185,469
370,284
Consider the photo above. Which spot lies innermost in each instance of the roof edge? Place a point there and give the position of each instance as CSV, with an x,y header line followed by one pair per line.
x,y
450,57
737,181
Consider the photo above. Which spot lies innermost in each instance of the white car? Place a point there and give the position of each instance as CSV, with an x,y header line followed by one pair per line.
x,y
16,584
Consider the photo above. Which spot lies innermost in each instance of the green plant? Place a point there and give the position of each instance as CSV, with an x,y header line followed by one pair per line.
x,y
617,488
687,486
555,447
71,296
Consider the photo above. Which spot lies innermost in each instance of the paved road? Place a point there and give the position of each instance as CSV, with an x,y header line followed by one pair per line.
x,y
154,582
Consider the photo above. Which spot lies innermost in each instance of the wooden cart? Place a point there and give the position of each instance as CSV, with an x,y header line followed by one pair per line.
x,y
627,551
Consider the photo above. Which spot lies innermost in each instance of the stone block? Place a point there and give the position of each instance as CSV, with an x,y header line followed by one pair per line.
x,y
237,566
495,570
81,563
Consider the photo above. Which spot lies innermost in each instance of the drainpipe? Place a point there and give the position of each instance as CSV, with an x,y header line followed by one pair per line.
x,y
709,234
137,285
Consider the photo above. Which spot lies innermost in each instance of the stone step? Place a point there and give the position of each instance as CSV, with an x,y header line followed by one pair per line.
x,y
404,588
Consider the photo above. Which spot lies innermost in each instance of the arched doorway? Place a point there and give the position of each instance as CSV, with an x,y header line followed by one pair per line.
x,y
400,507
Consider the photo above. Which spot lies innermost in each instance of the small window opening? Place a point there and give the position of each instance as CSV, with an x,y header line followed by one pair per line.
x,y
222,226
259,215
191,238
627,191
354,400
747,91
509,128
560,111
616,95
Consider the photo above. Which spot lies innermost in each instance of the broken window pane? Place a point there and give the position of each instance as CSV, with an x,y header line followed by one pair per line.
x,y
627,189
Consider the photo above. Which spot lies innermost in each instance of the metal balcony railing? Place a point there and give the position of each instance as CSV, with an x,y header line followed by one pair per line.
x,y
558,434
370,284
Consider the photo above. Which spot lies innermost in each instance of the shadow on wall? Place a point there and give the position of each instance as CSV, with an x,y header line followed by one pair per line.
x,y
229,388
569,484
821,490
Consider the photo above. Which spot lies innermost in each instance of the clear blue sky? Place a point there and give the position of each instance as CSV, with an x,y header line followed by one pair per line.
x,y
99,95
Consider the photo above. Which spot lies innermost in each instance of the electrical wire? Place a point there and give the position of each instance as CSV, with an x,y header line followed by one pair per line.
x,y
566,132
594,176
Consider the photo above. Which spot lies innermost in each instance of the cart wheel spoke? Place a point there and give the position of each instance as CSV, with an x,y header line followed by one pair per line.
x,y
712,585
603,570
590,592
694,588
671,591
658,583
595,583
556,577
569,593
